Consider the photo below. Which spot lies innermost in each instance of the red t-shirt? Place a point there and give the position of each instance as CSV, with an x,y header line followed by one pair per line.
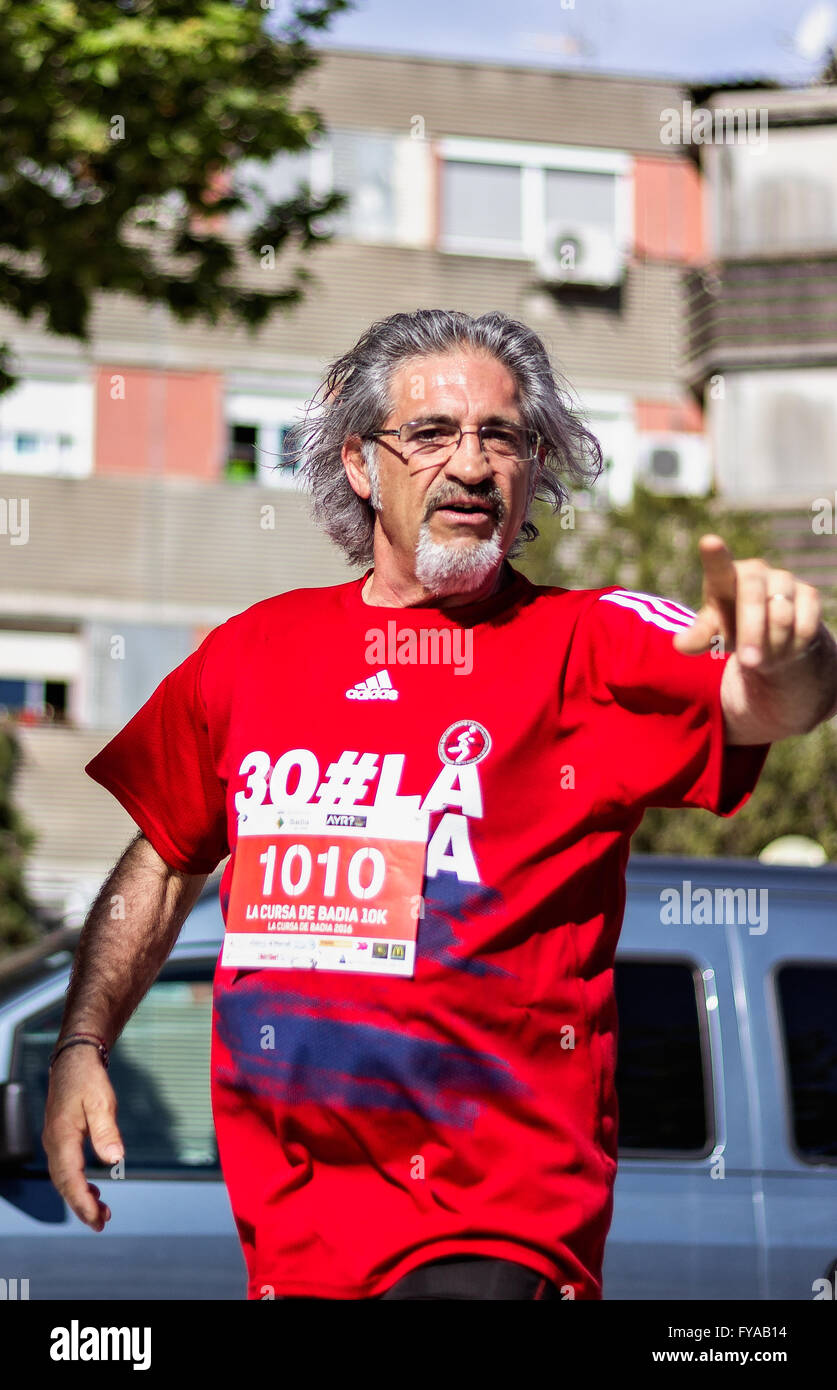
x,y
469,1109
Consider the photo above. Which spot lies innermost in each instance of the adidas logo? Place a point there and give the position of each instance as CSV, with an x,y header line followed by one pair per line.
x,y
377,687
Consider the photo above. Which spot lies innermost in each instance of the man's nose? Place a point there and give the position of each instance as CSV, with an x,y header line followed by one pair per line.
x,y
469,462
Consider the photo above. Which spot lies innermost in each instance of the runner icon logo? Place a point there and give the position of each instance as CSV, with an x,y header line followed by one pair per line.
x,y
466,741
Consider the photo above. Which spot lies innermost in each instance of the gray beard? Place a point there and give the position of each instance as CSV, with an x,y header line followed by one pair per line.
x,y
455,569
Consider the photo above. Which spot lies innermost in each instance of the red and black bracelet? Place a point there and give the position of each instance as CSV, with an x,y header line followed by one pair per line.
x,y
73,1039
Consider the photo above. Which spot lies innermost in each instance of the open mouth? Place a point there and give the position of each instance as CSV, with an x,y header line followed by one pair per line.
x,y
475,509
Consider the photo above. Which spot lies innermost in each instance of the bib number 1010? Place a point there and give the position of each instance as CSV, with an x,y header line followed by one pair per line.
x,y
365,871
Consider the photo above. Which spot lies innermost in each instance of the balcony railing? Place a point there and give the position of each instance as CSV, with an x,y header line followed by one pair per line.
x,y
761,311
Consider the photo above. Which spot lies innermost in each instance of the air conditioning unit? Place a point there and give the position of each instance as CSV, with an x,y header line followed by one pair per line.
x,y
580,255
675,464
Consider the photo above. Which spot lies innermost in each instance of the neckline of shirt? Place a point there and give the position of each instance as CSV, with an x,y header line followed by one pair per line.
x,y
465,614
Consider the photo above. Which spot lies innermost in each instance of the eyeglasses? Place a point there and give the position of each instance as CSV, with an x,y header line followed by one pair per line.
x,y
437,441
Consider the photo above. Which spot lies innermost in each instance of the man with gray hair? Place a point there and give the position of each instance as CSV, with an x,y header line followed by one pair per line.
x,y
414,1022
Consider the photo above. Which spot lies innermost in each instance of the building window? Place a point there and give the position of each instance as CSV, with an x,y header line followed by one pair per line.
x,y
40,671
242,451
33,701
501,198
262,437
482,205
386,178
27,441
575,195
289,442
261,183
363,167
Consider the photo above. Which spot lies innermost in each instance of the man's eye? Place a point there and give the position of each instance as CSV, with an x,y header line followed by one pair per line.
x,y
501,434
432,434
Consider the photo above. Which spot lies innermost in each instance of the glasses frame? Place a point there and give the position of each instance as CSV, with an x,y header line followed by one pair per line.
x,y
528,458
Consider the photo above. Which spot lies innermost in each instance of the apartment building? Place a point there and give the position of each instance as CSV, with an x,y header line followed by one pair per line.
x,y
762,317
150,470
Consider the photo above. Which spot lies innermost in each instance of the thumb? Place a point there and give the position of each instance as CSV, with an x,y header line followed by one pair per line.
x,y
698,637
103,1130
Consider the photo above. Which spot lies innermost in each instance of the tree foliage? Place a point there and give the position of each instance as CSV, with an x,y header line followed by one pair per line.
x,y
829,72
796,795
120,124
651,545
18,924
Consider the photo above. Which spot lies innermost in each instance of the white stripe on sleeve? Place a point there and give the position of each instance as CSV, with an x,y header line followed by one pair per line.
x,y
650,609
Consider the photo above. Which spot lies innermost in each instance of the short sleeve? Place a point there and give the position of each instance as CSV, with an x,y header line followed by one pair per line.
x,y
659,710
160,767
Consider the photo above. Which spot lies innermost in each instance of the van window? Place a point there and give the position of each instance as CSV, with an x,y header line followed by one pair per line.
x,y
808,1010
159,1069
662,1066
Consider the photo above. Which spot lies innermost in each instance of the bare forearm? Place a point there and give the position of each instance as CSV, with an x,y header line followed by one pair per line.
x,y
129,933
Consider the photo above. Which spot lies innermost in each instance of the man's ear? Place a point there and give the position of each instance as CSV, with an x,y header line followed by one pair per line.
x,y
355,465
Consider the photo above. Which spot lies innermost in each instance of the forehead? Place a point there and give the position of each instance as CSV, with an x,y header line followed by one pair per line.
x,y
454,380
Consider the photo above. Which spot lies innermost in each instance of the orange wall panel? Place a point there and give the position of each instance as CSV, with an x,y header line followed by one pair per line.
x,y
668,210
667,417
159,422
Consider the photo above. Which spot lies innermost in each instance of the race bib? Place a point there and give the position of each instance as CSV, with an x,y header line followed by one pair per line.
x,y
320,889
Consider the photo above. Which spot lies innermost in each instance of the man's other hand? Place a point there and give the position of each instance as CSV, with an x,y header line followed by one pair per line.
x,y
81,1102
781,678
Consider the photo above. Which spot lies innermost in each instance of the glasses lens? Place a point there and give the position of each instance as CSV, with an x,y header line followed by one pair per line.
x,y
434,440
505,441
428,439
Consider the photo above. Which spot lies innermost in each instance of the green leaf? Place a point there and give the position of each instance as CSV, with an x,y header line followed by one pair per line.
x,y
121,106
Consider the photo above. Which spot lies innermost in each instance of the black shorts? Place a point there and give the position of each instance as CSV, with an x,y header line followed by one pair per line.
x,y
466,1276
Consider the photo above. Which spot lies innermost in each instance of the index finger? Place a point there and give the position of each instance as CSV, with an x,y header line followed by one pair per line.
x,y
718,567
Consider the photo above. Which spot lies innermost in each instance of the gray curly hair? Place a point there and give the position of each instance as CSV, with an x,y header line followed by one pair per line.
x,y
354,399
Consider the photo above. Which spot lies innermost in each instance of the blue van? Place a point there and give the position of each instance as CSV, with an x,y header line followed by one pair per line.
x,y
726,981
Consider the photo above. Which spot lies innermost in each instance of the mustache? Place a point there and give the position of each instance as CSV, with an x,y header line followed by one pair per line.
x,y
452,495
